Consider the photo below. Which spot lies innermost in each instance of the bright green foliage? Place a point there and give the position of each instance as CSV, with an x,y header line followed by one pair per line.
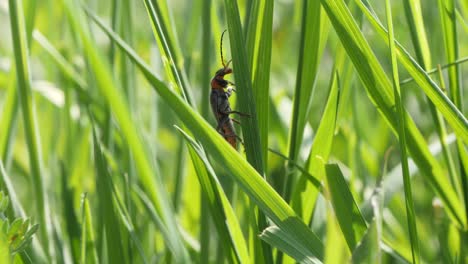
x,y
353,150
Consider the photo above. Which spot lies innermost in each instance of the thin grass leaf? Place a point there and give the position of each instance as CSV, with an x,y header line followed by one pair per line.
x,y
108,218
113,97
222,212
379,90
400,109
308,65
159,17
281,240
250,125
347,212
9,119
30,125
87,233
305,193
241,171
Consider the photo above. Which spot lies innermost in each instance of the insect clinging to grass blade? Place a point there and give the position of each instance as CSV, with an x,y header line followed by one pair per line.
x,y
219,100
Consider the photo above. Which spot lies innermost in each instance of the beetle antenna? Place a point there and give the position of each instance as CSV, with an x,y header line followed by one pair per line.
x,y
221,48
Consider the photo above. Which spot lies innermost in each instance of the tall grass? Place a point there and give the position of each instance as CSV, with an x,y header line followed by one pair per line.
x,y
354,149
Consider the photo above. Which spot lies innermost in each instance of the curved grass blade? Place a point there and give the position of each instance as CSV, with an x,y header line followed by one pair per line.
x,y
222,212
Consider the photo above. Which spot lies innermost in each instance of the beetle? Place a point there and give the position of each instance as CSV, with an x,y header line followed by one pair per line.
x,y
219,100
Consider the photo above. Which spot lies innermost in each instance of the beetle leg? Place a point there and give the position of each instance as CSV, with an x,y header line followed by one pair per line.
x,y
236,112
236,121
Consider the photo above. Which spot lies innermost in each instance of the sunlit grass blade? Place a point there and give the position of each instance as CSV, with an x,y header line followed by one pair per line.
x,y
107,213
88,246
312,38
159,17
9,119
23,79
222,212
369,250
281,240
379,90
400,109
247,102
347,212
241,171
261,33
250,125
305,193
150,181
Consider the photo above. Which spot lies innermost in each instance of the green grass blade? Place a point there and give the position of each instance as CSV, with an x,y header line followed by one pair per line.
x,y
369,249
347,212
402,139
306,73
87,233
261,69
9,119
309,58
250,125
222,212
380,91
31,130
119,107
108,218
280,239
306,194
241,171
159,18
247,101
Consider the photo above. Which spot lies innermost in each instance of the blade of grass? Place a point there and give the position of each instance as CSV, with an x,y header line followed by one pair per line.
x,y
159,18
87,233
241,171
107,214
222,212
250,126
347,212
9,120
379,90
262,33
113,97
31,130
309,58
280,239
306,194
398,94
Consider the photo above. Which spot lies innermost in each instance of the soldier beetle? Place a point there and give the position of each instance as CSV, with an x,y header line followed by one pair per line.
x,y
219,100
